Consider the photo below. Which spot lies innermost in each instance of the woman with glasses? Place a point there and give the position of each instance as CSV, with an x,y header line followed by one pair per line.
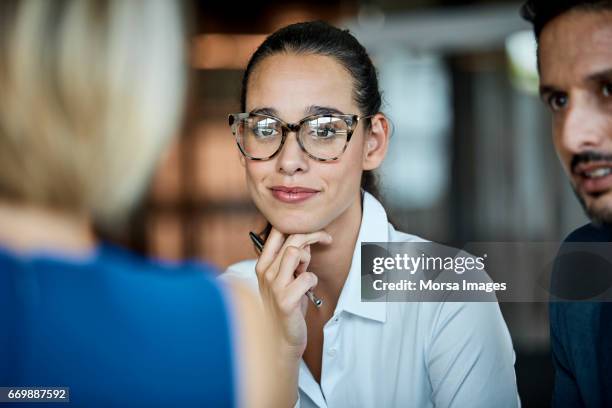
x,y
310,135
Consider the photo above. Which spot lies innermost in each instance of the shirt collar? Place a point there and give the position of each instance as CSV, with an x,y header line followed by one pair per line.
x,y
374,228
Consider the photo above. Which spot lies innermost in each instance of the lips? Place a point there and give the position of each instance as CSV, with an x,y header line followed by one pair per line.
x,y
594,177
293,195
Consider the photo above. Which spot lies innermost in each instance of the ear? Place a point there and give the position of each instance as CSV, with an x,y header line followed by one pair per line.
x,y
242,159
376,142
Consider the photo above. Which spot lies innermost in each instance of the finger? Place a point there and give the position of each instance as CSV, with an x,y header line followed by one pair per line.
x,y
293,259
302,240
298,288
273,244
304,265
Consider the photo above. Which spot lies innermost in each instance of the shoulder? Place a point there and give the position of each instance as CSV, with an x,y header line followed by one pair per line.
x,y
586,248
253,339
187,289
436,249
468,342
133,308
590,233
468,332
481,316
131,275
399,236
112,257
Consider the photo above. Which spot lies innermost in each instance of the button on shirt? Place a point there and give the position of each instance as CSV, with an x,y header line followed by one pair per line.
x,y
425,354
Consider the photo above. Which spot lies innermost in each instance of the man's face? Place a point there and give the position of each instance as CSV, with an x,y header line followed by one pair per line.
x,y
575,55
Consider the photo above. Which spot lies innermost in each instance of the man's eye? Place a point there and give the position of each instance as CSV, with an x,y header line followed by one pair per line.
x,y
606,90
557,101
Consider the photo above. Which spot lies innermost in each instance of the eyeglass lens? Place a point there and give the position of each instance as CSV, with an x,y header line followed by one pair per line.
x,y
323,137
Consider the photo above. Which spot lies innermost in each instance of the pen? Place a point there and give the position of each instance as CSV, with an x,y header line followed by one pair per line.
x,y
257,241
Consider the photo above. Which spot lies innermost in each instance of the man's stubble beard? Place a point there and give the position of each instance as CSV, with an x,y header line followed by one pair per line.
x,y
599,216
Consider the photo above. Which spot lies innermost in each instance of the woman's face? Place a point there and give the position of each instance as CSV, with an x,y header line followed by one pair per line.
x,y
292,87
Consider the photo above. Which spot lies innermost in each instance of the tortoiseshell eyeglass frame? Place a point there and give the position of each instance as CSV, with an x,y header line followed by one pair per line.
x,y
351,120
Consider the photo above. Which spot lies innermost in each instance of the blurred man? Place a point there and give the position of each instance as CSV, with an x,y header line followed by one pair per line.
x,y
575,64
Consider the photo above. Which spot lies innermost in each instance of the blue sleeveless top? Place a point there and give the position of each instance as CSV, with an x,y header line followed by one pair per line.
x,y
117,329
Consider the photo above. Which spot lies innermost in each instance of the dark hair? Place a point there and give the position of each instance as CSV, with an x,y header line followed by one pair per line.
x,y
541,12
318,37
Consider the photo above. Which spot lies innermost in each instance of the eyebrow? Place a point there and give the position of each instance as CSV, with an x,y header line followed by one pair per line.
x,y
322,110
265,111
309,111
601,76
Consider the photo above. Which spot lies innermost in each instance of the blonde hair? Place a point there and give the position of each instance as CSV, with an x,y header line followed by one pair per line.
x,y
89,92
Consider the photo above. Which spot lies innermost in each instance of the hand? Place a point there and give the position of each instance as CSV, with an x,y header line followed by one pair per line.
x,y
283,283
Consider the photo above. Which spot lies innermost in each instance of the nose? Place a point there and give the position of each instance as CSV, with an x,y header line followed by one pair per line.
x,y
291,159
584,128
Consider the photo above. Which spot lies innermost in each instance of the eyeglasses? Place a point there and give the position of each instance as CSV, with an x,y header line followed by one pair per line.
x,y
321,137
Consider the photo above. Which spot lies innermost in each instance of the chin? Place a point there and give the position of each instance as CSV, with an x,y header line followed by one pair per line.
x,y
291,228
296,225
598,209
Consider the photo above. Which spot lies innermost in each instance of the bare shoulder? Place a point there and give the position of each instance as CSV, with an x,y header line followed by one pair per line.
x,y
252,347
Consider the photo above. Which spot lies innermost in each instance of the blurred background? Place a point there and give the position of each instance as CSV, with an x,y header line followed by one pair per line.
x,y
471,156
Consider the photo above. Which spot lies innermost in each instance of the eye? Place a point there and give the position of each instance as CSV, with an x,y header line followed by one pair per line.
x,y
557,101
606,89
325,133
264,132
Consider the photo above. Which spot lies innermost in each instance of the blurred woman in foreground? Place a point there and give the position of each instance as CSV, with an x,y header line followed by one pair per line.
x,y
90,92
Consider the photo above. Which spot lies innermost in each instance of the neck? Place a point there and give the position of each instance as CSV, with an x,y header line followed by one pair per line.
x,y
332,263
27,229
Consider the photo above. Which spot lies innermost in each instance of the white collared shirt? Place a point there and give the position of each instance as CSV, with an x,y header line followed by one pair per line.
x,y
426,354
